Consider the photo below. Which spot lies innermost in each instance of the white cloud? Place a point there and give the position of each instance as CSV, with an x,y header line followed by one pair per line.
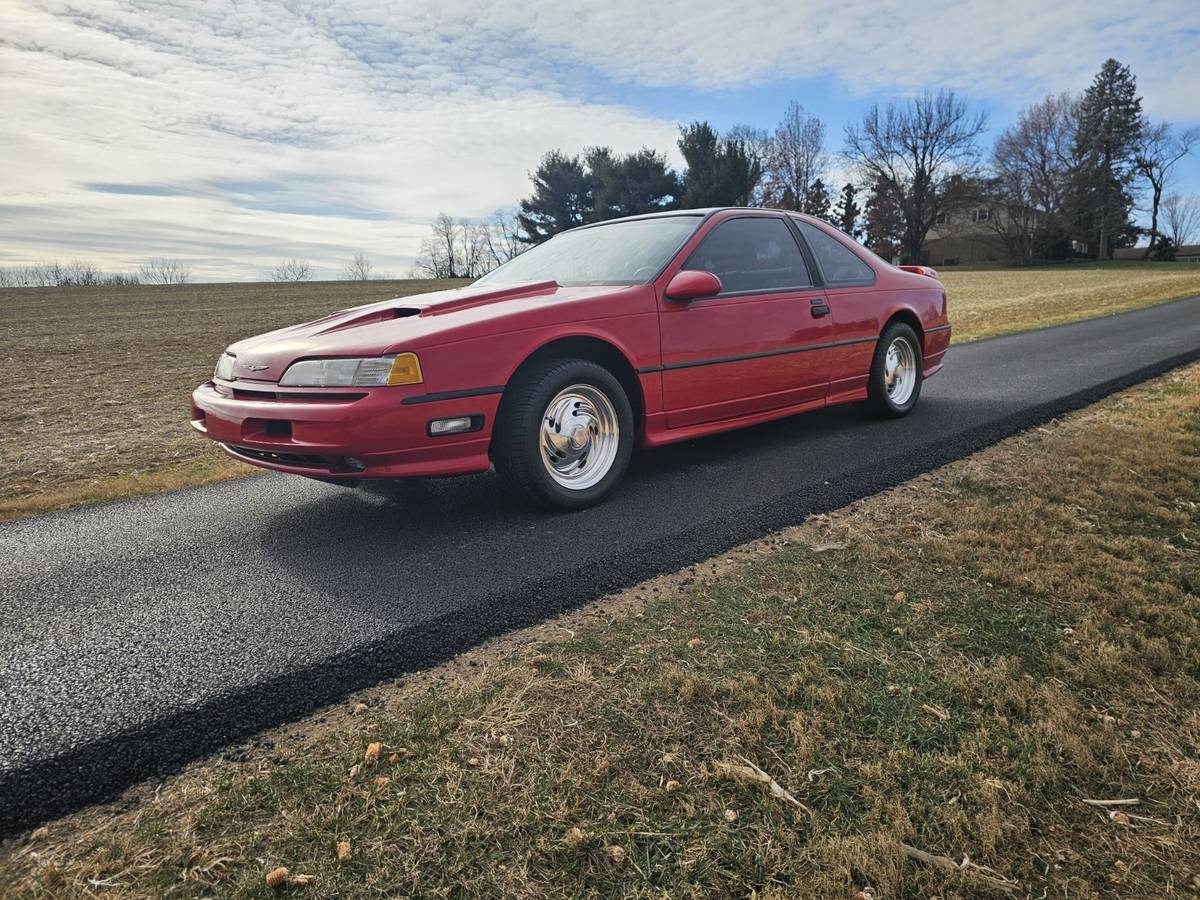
x,y
988,48
247,121
244,116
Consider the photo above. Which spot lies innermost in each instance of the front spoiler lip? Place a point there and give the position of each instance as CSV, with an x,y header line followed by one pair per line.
x,y
460,458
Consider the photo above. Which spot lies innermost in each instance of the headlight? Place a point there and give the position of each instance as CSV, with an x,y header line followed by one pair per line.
x,y
372,371
224,369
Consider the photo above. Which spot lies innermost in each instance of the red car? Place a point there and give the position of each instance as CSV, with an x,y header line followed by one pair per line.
x,y
638,331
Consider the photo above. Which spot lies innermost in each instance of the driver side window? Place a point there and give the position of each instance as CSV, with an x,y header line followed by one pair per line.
x,y
752,255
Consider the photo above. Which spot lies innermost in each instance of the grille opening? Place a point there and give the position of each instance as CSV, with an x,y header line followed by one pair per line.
x,y
299,460
278,428
307,460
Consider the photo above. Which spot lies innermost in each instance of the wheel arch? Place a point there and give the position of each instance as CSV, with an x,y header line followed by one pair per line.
x,y
594,349
909,318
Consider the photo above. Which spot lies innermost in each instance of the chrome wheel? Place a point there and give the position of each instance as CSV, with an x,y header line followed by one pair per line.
x,y
900,370
580,436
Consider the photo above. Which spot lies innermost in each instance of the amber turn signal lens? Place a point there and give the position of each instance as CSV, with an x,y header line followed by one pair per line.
x,y
406,369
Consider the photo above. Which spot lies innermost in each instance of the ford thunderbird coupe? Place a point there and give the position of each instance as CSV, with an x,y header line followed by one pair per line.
x,y
552,368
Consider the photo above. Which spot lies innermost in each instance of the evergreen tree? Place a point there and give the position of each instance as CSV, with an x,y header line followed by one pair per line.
x,y
570,191
629,185
884,223
1162,249
561,199
847,212
719,172
1109,130
816,201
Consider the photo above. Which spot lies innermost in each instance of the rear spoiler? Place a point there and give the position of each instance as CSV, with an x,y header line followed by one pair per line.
x,y
921,270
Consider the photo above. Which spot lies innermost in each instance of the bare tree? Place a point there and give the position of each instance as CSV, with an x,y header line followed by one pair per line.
x,y
1159,149
46,274
795,159
455,249
1181,215
1031,165
757,143
439,256
292,270
17,276
360,267
80,273
77,273
502,237
922,153
165,271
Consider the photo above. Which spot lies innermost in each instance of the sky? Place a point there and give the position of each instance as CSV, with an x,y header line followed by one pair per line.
x,y
232,134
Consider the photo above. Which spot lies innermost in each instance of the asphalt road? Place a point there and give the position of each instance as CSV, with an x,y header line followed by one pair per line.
x,y
138,635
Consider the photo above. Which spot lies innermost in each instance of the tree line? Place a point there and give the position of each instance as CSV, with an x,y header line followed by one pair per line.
x,y
82,273
1067,175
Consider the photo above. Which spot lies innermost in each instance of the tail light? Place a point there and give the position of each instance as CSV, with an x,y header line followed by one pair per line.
x,y
922,270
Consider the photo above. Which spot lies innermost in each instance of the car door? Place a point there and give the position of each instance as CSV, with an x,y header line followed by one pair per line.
x,y
855,305
763,343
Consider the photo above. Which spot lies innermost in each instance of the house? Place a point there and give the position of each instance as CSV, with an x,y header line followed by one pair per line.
x,y
978,232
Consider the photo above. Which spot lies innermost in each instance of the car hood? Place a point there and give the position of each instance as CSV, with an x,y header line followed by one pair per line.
x,y
411,323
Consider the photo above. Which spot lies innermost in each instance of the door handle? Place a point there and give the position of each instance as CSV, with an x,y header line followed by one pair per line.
x,y
819,311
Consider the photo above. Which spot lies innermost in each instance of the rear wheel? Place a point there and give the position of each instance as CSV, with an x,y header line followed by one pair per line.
x,y
564,434
895,382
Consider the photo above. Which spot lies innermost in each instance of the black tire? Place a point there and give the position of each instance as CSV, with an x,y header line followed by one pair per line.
x,y
516,440
879,402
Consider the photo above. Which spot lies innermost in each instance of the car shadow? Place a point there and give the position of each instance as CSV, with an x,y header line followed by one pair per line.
x,y
439,531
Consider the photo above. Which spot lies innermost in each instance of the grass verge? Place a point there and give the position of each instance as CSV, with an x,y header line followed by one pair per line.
x,y
991,302
957,665
206,468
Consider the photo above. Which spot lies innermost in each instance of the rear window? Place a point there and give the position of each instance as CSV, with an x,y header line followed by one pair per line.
x,y
838,263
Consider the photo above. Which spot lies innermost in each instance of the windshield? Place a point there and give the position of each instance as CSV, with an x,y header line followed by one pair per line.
x,y
621,253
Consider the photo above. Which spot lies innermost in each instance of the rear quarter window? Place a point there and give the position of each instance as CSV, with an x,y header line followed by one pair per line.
x,y
838,263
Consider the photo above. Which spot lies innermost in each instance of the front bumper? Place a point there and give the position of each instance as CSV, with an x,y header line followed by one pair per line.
x,y
338,433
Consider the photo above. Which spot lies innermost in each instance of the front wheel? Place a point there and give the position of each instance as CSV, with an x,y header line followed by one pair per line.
x,y
896,372
564,434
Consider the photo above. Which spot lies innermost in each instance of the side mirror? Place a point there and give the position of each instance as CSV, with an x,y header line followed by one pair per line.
x,y
692,284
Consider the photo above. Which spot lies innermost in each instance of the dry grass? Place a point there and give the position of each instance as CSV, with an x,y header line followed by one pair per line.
x,y
1000,301
94,384
957,664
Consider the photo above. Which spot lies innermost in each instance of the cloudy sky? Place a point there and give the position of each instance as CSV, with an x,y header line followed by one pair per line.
x,y
232,133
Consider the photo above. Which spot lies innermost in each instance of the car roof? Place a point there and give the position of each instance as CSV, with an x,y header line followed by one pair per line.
x,y
701,213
